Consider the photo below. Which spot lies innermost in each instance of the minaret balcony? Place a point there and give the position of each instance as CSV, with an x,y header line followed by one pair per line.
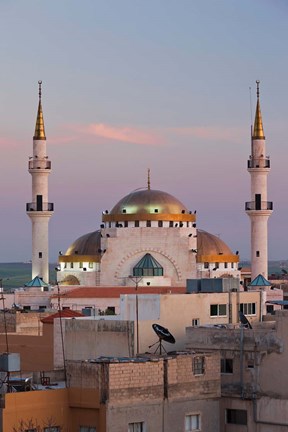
x,y
259,163
30,207
39,164
264,205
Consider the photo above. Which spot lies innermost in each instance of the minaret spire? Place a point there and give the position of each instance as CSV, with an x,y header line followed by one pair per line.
x,y
39,209
259,209
258,132
39,128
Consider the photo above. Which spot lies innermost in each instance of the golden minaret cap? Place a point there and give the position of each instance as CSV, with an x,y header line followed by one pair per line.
x,y
148,180
39,128
258,132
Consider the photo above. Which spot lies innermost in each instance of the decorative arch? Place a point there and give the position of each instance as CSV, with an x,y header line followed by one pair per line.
x,y
144,251
70,280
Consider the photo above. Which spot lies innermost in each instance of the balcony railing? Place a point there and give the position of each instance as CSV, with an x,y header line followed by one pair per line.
x,y
39,164
264,205
259,163
44,207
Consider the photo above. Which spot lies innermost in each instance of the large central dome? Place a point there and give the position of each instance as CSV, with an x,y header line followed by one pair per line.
x,y
147,201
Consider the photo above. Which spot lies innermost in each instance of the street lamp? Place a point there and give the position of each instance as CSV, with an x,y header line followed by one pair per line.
x,y
136,280
57,269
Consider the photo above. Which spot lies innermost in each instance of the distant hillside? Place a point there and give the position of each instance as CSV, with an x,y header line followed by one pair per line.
x,y
15,275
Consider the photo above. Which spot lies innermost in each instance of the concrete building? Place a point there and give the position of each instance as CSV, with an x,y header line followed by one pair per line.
x,y
253,379
39,209
124,335
147,394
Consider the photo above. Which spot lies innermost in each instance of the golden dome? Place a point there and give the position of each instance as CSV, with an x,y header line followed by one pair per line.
x,y
148,204
85,248
211,248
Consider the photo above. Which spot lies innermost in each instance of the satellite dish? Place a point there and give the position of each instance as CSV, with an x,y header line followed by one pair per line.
x,y
244,321
163,335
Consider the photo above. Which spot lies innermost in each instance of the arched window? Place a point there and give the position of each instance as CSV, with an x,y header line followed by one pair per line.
x,y
148,266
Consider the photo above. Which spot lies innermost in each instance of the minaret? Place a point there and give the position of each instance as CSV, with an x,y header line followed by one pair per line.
x,y
259,209
40,210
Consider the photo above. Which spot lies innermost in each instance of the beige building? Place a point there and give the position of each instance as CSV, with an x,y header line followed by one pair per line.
x,y
253,379
117,335
148,394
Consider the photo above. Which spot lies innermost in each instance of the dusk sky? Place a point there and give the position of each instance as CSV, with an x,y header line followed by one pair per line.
x,y
130,85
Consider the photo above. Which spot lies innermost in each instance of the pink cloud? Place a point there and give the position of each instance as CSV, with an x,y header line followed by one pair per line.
x,y
123,133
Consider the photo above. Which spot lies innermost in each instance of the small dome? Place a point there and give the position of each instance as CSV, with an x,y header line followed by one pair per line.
x,y
147,201
88,244
212,249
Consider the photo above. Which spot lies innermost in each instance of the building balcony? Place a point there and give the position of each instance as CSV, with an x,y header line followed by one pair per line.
x,y
259,163
39,164
263,205
30,207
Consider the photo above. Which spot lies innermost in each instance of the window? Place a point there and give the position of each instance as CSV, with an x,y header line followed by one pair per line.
x,y
125,224
226,366
52,429
148,223
257,254
248,308
90,265
136,427
218,310
171,224
71,265
40,254
216,265
198,365
160,224
87,429
80,264
232,265
192,422
206,265
234,416
225,265
148,266
195,322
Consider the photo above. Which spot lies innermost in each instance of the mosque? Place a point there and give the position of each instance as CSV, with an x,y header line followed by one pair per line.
x,y
149,237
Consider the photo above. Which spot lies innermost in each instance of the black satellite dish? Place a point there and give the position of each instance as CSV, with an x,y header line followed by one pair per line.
x,y
244,321
163,335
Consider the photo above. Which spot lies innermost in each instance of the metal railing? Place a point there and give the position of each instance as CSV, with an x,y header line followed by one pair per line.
x,y
39,164
259,163
265,205
44,207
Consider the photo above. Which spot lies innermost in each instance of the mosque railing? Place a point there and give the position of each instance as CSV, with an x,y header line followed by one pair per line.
x,y
259,163
45,206
39,164
265,205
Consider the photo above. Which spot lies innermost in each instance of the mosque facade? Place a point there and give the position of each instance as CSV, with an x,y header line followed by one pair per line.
x,y
148,238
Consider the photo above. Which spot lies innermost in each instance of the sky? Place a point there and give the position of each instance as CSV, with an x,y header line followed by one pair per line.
x,y
130,85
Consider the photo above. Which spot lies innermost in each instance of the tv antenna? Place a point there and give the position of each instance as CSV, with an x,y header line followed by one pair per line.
x,y
164,336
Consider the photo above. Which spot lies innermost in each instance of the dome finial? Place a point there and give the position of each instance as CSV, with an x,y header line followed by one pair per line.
x,y
148,180
39,128
258,132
